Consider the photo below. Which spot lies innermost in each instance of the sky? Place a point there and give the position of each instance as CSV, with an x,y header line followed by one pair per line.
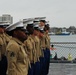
x,y
59,13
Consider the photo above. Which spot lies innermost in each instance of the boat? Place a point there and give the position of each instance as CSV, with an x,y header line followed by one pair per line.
x,y
51,33
63,33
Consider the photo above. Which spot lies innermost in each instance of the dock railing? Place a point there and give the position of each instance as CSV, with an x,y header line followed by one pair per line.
x,y
63,51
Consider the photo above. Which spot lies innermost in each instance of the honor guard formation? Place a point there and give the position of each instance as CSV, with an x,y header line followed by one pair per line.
x,y
25,47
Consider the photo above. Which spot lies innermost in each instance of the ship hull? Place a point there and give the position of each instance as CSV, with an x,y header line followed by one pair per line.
x,y
63,34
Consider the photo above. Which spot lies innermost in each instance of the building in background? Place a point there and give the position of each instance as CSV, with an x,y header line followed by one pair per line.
x,y
0,18
6,18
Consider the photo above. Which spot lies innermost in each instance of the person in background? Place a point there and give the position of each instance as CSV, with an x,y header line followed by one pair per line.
x,y
42,56
42,25
55,57
3,44
70,57
37,46
29,48
47,42
34,30
16,55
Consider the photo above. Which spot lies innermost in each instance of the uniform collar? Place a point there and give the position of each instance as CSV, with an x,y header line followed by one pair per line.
x,y
45,33
2,35
18,41
32,36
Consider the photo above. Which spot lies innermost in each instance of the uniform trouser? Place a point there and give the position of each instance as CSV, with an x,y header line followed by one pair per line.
x,y
37,68
31,70
3,65
48,60
42,64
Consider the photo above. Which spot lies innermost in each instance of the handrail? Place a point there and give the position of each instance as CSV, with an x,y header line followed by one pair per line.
x,y
62,42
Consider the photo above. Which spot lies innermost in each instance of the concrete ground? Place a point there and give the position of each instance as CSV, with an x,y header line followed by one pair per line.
x,y
62,69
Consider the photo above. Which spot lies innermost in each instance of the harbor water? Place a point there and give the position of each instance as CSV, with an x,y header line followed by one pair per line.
x,y
63,68
63,38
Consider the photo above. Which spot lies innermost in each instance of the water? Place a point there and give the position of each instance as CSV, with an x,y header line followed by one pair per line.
x,y
63,50
63,38
63,68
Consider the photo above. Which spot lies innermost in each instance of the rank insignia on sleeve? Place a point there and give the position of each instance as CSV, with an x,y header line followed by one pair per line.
x,y
12,54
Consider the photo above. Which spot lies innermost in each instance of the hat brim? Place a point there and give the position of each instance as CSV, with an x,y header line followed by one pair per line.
x,y
41,31
43,21
36,28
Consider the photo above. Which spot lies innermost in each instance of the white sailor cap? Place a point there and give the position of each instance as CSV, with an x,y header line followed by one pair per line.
x,y
36,27
18,24
41,30
39,18
28,23
36,20
42,19
28,20
47,23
